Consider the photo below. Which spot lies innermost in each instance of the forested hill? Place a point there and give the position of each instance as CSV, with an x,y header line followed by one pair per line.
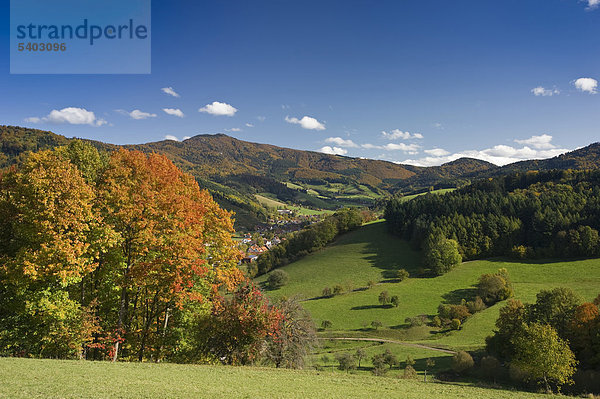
x,y
235,170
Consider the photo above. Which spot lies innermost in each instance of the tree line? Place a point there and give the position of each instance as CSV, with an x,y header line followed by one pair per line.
x,y
525,215
122,256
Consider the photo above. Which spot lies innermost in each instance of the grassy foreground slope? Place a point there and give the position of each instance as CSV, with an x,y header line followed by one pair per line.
x,y
371,253
29,378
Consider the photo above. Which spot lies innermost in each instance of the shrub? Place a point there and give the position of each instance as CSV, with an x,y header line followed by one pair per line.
x,y
410,373
395,301
436,322
402,275
379,364
476,306
370,284
455,324
338,289
346,361
325,324
277,279
462,361
327,293
495,287
449,312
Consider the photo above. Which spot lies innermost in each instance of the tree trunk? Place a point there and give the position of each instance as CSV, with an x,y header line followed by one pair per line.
x,y
164,333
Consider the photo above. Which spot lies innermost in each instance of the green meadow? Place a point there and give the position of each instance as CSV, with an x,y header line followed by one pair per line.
x,y
31,378
370,253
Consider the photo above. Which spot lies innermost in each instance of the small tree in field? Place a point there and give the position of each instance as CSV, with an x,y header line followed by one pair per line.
x,y
402,275
455,324
370,284
325,324
462,361
327,293
338,289
277,279
384,298
376,324
395,301
346,361
360,355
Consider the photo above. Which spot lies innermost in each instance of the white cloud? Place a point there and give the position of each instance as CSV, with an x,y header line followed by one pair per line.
x,y
398,134
218,109
174,111
437,152
185,138
410,148
171,137
249,125
438,125
137,114
593,4
542,142
233,129
540,91
70,115
538,147
333,150
169,91
261,118
341,142
306,122
586,85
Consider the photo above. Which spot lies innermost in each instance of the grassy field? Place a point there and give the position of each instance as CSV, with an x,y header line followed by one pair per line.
x,y
440,191
273,203
29,378
371,254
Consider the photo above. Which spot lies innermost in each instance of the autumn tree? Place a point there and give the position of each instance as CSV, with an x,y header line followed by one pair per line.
x,y
49,241
295,337
174,244
236,330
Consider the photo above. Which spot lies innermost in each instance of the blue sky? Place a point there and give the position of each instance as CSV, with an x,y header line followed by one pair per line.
x,y
498,80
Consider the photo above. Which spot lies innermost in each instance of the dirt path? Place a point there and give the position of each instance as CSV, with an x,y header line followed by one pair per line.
x,y
394,342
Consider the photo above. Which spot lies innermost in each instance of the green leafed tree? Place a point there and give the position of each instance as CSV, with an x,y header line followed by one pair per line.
x,y
544,356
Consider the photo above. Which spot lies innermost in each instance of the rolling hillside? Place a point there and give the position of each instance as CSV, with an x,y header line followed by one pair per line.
x,y
370,253
235,170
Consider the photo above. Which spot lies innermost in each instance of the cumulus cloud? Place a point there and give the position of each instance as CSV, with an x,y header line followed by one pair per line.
x,y
593,4
219,109
249,125
341,142
586,85
437,152
541,91
170,91
70,115
136,114
171,137
174,111
333,150
398,134
233,129
537,147
542,142
409,148
307,122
